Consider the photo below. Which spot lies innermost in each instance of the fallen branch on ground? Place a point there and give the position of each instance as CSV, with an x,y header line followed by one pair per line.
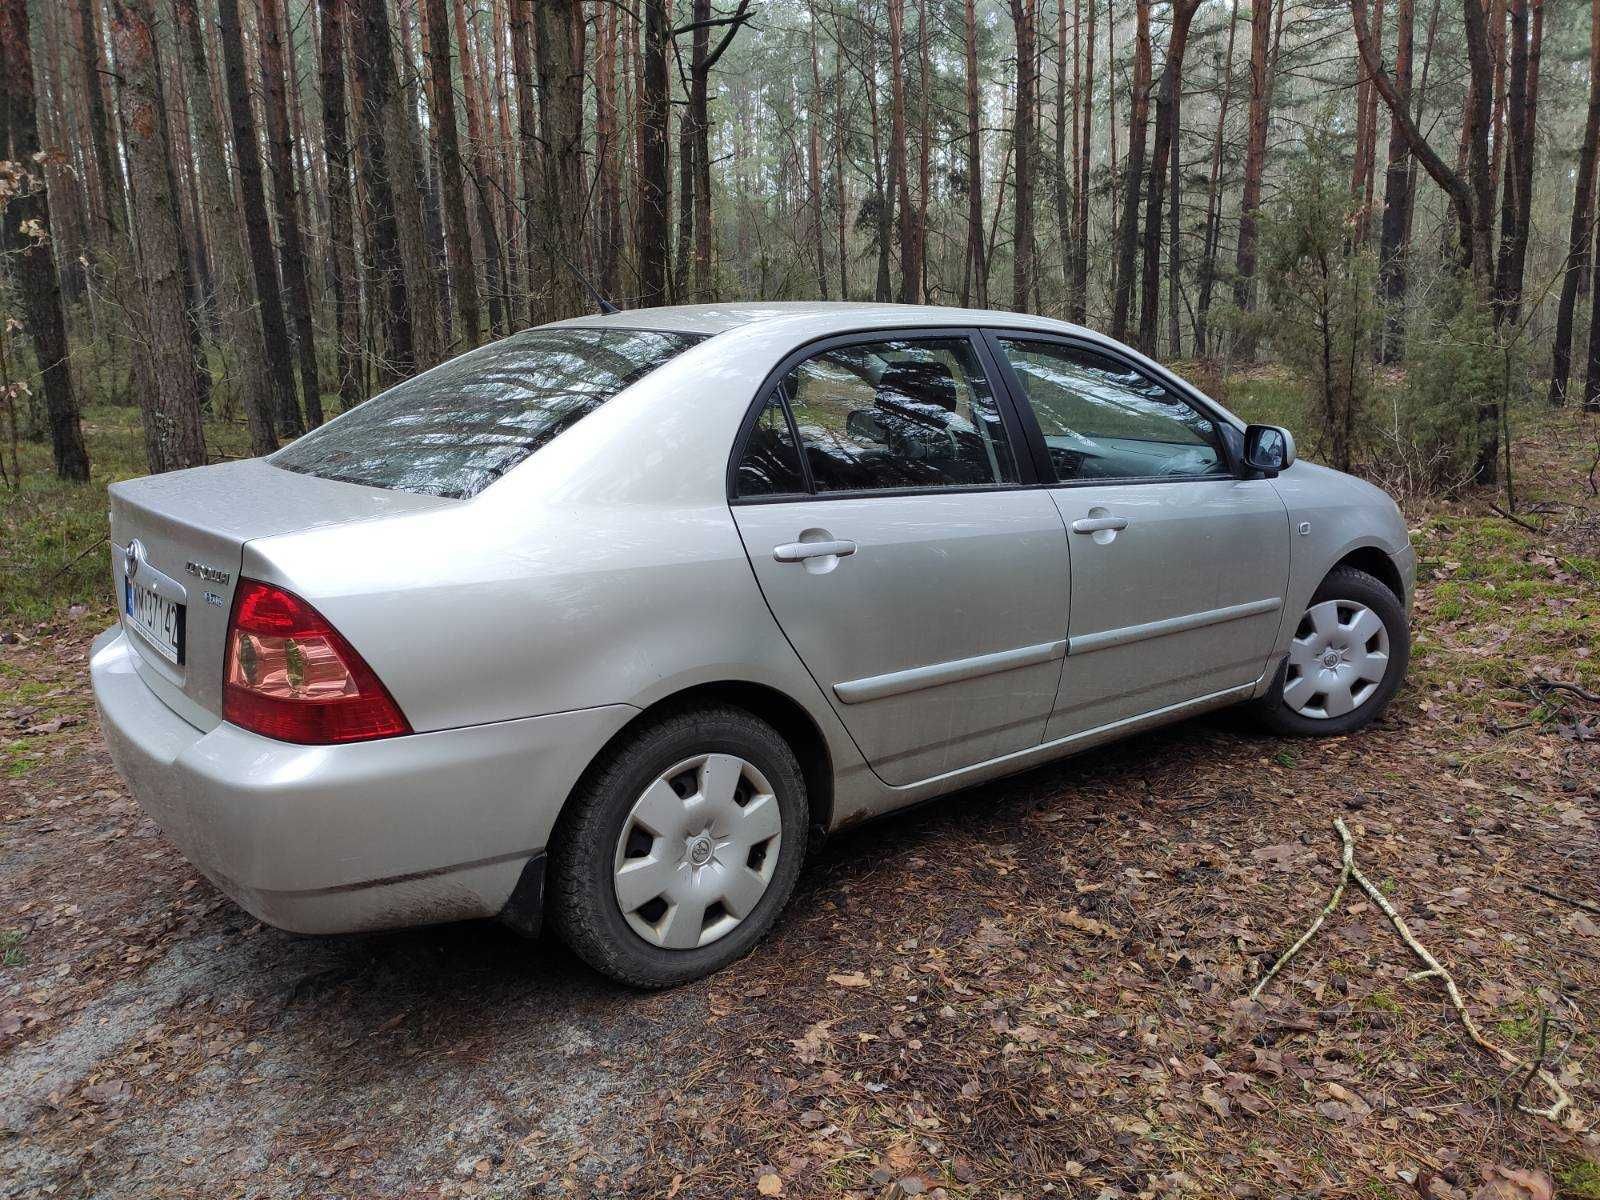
x,y
1587,905
1434,970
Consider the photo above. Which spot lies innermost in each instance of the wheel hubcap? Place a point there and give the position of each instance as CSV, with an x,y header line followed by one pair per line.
x,y
1337,660
697,851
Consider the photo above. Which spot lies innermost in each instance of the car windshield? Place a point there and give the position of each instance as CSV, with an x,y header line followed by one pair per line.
x,y
454,430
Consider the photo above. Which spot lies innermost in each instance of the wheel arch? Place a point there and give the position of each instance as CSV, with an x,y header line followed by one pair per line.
x,y
785,714
1375,561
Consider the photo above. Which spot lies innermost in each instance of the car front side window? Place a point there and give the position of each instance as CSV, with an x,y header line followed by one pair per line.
x,y
898,414
1102,420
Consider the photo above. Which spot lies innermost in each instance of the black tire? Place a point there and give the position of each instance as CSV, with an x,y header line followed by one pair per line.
x,y
581,898
1345,583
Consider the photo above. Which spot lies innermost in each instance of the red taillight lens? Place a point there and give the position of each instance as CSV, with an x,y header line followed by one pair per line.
x,y
291,676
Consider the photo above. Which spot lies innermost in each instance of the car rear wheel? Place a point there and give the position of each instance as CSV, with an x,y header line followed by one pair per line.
x,y
680,849
1345,662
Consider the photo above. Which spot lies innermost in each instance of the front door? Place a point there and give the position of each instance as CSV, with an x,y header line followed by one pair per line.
x,y
1178,566
922,586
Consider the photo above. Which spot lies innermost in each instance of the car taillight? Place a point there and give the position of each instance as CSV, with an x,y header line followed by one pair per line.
x,y
291,676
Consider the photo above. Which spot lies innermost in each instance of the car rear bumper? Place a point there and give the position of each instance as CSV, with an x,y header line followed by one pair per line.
x,y
332,839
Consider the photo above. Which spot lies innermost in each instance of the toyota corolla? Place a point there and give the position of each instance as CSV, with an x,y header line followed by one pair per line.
x,y
608,621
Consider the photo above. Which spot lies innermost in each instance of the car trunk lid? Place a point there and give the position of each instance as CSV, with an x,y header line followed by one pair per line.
x,y
182,534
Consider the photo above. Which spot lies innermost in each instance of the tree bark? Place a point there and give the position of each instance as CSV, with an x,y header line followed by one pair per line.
x,y
1024,15
1397,199
162,331
1578,234
1183,12
973,274
653,164
1213,229
1133,171
291,245
26,234
814,119
1470,196
910,268
258,230
1522,110
113,206
1255,157
1079,302
559,49
463,274
377,87
236,300
341,225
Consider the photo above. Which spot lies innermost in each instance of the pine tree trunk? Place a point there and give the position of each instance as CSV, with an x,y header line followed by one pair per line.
x,y
236,300
814,118
1522,110
1255,157
161,328
113,206
910,269
924,143
1591,379
1397,200
291,245
1213,229
1061,158
653,165
1166,132
33,264
463,274
839,136
258,230
973,287
341,225
606,133
377,86
559,48
1133,168
1078,310
1024,15
483,171
1582,210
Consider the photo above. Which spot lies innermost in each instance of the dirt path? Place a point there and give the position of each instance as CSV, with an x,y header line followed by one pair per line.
x,y
1036,984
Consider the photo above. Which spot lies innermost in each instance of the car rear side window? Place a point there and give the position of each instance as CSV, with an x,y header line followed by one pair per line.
x,y
770,465
899,414
454,430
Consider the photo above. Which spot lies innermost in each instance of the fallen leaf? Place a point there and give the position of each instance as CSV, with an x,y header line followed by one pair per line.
x,y
1508,1183
852,979
770,1185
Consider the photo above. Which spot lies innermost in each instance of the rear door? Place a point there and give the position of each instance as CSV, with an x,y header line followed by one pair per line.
x,y
1178,566
879,490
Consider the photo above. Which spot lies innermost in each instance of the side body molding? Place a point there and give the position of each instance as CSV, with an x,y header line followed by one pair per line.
x,y
898,683
1153,629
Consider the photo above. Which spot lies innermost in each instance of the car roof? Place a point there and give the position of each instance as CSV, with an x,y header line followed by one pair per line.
x,y
709,319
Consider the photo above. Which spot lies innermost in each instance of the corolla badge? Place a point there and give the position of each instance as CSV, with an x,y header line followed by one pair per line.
x,y
132,556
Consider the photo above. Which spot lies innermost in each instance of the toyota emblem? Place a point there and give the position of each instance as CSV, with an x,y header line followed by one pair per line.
x,y
131,557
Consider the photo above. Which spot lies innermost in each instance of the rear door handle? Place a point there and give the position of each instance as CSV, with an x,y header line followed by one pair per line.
x,y
1096,524
793,552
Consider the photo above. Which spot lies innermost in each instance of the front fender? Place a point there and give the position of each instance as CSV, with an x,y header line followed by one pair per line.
x,y
1331,516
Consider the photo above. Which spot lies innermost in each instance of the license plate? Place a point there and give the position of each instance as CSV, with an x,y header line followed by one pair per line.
x,y
158,619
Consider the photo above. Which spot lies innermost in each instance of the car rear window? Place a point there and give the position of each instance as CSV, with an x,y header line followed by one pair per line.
x,y
454,430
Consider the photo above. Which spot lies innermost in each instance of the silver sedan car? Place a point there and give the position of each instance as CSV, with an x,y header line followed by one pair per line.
x,y
610,620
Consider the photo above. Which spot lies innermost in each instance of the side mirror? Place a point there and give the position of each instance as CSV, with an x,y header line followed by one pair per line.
x,y
1268,449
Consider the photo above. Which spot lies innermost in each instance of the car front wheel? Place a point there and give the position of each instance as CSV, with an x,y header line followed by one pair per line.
x,y
680,848
1345,662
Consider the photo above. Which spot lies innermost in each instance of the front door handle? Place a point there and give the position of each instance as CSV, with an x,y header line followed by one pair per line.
x,y
793,552
1096,524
